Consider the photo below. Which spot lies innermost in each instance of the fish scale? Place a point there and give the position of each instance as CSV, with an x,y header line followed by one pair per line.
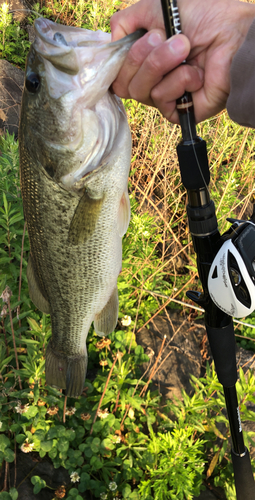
x,y
75,150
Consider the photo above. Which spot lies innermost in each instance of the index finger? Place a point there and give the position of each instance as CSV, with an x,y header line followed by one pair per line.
x,y
144,14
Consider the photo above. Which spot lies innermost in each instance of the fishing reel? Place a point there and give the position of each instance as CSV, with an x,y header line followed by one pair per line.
x,y
231,280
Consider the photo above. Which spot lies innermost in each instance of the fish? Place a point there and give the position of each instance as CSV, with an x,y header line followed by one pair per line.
x,y
75,154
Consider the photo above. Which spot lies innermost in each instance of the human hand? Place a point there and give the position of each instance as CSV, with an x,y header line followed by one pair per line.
x,y
214,31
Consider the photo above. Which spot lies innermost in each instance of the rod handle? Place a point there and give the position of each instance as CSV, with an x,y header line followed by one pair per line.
x,y
223,347
244,481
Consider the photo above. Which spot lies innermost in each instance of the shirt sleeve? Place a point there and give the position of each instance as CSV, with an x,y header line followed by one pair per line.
x,y
241,100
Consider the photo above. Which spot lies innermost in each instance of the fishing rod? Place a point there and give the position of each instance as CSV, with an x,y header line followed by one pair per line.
x,y
226,267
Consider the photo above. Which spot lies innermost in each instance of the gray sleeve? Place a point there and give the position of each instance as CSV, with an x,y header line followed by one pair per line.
x,y
241,100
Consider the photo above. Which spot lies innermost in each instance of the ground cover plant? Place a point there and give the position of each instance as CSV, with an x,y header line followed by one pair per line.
x,y
118,440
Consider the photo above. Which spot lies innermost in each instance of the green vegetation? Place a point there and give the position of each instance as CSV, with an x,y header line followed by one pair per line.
x,y
118,440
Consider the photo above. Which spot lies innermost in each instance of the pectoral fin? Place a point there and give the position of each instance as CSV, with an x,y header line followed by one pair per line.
x,y
84,220
34,289
124,214
106,320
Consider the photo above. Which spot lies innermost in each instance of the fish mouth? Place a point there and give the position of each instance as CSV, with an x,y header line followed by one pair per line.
x,y
79,67
89,57
55,41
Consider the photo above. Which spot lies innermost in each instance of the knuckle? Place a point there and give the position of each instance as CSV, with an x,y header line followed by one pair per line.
x,y
120,90
134,57
186,75
134,93
156,94
154,63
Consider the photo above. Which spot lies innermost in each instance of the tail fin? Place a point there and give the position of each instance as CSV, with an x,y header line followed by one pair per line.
x,y
66,372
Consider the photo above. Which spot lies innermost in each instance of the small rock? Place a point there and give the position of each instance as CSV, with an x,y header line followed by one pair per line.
x,y
11,85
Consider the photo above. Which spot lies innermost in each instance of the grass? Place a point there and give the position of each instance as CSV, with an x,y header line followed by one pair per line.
x,y
117,431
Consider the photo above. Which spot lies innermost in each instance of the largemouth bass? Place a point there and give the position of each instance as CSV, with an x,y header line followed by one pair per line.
x,y
75,150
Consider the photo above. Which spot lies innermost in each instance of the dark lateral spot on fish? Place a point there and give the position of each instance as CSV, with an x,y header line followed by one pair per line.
x,y
59,38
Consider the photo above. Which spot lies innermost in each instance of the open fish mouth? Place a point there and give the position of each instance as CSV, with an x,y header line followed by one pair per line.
x,y
73,49
78,68
69,36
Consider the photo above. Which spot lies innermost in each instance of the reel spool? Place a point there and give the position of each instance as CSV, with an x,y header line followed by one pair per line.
x,y
231,280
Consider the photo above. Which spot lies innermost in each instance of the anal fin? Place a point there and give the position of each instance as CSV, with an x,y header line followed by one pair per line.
x,y
34,289
106,320
65,372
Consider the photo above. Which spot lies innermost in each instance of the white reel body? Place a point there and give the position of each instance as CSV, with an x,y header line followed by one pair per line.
x,y
231,280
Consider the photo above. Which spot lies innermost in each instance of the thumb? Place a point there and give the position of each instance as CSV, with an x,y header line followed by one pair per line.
x,y
144,14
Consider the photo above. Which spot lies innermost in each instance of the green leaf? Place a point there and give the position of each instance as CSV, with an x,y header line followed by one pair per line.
x,y
84,477
73,492
37,488
82,447
4,442
61,430
107,444
46,445
39,484
34,325
70,434
9,455
139,350
126,491
134,495
39,434
31,412
98,426
14,493
15,218
53,453
95,445
80,431
5,203
5,496
4,260
15,428
52,433
63,444
88,452
96,463
20,438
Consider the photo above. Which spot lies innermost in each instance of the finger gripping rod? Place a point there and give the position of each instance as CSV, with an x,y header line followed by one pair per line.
x,y
194,168
192,153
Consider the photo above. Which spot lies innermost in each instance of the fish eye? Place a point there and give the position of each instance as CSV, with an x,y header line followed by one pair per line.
x,y
32,83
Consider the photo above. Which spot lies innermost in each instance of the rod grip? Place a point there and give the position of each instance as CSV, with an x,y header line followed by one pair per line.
x,y
223,347
193,163
244,481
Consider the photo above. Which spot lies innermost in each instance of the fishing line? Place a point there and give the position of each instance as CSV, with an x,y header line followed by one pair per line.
x,y
195,154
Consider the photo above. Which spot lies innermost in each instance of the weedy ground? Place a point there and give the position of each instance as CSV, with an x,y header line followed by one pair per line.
x,y
117,440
